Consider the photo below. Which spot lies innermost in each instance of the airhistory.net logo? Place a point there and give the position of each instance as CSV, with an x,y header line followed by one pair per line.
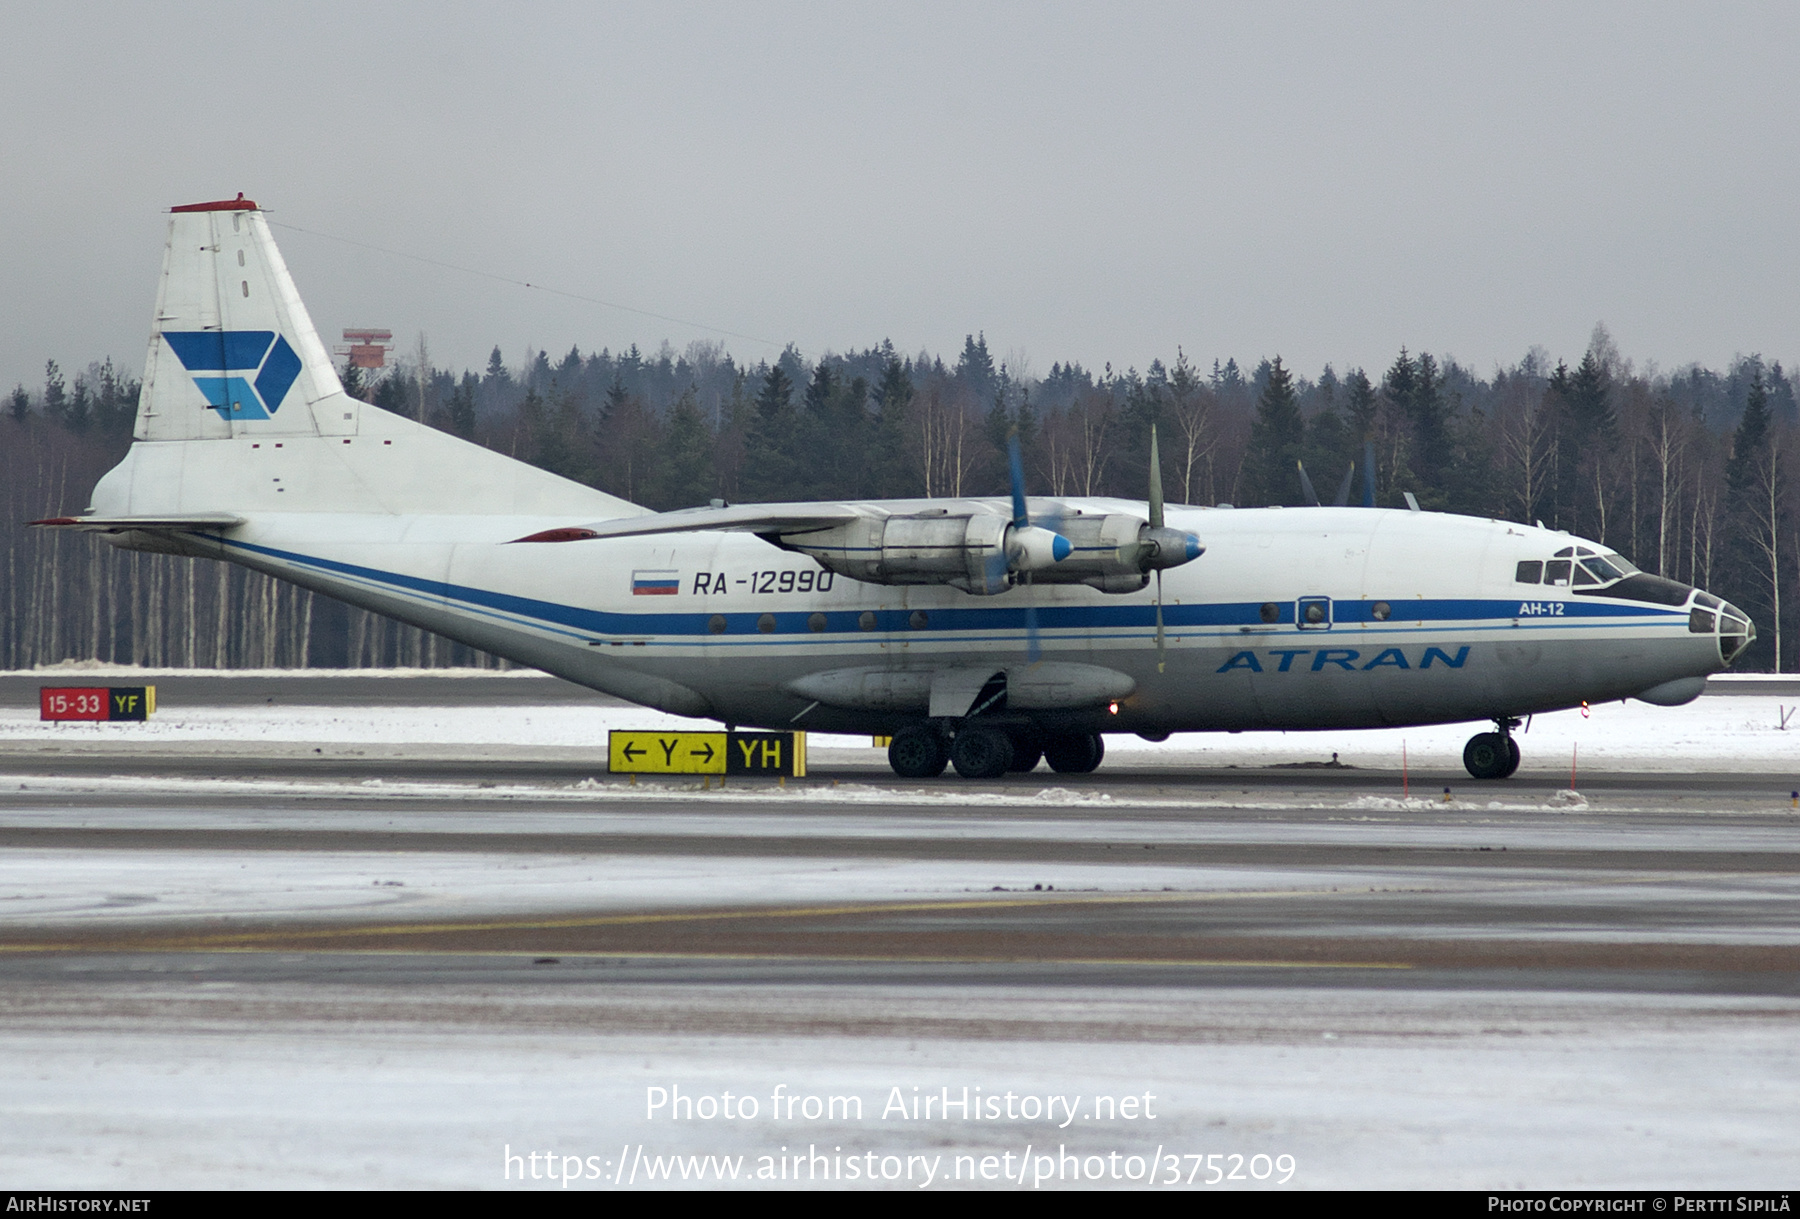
x,y
244,374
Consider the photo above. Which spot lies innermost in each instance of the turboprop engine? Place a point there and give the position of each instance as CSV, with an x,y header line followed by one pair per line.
x,y
985,553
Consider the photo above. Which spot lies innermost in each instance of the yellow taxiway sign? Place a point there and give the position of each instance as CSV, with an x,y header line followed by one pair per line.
x,y
707,753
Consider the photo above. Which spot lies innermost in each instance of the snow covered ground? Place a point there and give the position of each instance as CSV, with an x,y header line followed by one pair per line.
x,y
198,1073
269,1087
1743,732
120,887
72,887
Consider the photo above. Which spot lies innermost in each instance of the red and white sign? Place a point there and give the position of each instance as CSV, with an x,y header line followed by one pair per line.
x,y
73,703
96,702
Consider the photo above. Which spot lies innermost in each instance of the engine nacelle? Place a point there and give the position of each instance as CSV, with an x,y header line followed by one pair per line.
x,y
931,547
985,553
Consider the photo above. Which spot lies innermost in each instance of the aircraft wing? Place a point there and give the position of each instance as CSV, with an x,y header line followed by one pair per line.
x,y
740,518
968,544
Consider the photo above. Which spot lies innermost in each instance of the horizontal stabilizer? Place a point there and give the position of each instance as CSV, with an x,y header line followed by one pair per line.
x,y
118,524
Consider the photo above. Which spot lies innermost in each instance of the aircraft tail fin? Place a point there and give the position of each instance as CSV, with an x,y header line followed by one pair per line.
x,y
231,346
234,358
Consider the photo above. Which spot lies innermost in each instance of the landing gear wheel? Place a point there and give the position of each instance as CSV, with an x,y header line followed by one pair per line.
x,y
1489,755
917,753
981,753
1028,751
1074,755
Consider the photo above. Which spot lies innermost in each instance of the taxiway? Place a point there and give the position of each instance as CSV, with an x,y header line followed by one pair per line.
x,y
263,965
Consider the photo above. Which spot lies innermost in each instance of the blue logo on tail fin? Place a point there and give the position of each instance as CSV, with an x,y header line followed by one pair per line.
x,y
243,374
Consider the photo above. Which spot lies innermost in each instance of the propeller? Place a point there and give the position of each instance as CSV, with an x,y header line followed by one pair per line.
x,y
1156,522
1160,546
1312,497
1343,495
1029,547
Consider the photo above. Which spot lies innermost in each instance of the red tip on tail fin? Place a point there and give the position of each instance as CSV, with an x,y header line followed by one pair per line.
x,y
239,204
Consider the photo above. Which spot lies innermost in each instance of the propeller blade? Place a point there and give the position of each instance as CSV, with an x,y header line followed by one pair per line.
x,y
1343,495
1159,622
1312,497
1029,546
1033,647
1156,491
1368,474
1020,520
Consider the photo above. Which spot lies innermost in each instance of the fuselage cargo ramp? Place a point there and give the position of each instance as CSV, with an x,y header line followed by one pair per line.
x,y
988,633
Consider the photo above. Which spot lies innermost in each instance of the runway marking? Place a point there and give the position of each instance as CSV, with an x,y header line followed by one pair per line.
x,y
855,958
226,940
622,920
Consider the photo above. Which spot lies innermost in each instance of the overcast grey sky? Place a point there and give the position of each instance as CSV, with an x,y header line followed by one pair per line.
x,y
1098,183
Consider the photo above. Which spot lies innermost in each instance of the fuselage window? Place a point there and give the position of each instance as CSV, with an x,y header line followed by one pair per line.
x,y
1530,572
1556,571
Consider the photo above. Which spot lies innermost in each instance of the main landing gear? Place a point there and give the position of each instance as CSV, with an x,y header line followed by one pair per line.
x,y
1493,755
922,751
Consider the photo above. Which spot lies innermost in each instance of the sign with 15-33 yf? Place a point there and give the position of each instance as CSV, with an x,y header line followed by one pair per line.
x,y
707,753
96,702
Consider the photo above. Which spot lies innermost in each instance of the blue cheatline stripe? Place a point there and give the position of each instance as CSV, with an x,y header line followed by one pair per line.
x,y
949,622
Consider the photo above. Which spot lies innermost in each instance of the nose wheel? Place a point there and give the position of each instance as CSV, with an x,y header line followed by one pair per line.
x,y
1492,755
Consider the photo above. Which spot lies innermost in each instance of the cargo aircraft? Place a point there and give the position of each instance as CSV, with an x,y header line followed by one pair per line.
x,y
985,633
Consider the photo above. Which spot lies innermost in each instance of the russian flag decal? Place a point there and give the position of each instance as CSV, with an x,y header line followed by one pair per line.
x,y
655,583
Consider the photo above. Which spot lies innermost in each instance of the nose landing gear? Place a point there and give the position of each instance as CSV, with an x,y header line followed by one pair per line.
x,y
1493,755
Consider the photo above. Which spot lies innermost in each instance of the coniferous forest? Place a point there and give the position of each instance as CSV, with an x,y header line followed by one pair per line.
x,y
1686,473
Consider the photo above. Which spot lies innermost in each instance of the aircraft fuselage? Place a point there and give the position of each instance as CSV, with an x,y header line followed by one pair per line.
x,y
1293,619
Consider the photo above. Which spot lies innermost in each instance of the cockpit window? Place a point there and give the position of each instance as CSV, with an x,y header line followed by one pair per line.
x,y
1587,571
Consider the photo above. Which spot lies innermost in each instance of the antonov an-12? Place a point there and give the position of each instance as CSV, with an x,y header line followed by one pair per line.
x,y
986,633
